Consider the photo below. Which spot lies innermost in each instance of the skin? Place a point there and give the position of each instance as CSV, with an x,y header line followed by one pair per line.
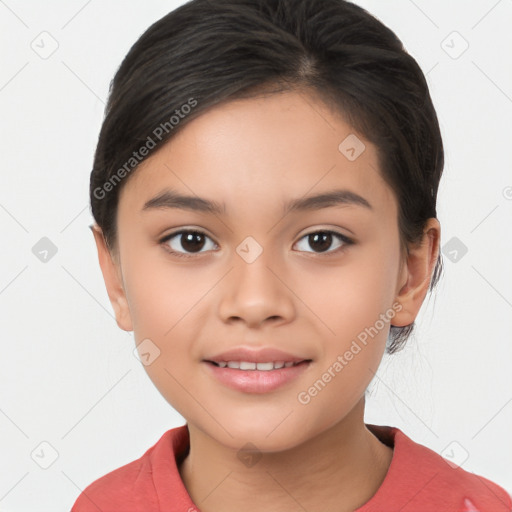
x,y
253,155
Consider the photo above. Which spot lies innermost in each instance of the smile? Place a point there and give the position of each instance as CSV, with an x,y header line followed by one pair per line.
x,y
248,365
256,377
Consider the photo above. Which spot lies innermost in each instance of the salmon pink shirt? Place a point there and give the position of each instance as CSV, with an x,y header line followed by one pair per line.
x,y
417,480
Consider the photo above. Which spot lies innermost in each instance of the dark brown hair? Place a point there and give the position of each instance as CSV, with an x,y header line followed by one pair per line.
x,y
207,52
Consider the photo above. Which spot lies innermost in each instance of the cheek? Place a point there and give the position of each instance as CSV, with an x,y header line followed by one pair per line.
x,y
166,308
163,296
356,307
352,296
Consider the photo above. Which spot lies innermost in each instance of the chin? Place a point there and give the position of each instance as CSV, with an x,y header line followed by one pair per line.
x,y
268,434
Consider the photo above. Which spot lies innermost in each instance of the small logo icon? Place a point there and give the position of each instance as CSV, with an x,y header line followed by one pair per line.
x,y
352,147
507,193
455,454
45,45
44,250
454,249
249,250
146,352
249,455
454,45
44,454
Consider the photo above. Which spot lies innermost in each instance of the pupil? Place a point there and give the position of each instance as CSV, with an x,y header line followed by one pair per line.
x,y
321,241
192,241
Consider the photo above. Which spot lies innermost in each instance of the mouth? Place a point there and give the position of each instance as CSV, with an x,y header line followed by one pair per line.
x,y
255,370
256,377
260,366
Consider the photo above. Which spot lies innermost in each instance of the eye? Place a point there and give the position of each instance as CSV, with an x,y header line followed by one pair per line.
x,y
188,242
191,241
322,240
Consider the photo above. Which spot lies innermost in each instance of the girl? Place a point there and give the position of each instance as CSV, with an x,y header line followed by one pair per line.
x,y
264,194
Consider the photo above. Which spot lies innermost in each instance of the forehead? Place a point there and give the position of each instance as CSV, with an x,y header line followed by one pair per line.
x,y
264,149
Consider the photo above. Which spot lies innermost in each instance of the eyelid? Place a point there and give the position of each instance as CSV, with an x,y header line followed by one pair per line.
x,y
326,228
185,229
182,231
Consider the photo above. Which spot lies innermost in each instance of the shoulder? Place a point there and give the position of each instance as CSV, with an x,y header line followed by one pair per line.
x,y
132,487
464,490
123,485
421,479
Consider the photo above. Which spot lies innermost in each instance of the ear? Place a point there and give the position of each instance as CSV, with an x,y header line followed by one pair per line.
x,y
416,274
111,270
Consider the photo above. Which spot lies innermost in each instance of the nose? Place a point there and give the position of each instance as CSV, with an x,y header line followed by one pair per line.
x,y
256,293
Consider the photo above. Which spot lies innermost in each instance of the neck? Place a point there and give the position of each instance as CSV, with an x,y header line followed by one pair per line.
x,y
338,470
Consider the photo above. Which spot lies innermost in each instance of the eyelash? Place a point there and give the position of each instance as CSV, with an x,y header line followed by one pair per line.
x,y
346,241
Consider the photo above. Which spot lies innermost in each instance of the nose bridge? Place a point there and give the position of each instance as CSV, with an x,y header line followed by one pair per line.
x,y
254,275
255,291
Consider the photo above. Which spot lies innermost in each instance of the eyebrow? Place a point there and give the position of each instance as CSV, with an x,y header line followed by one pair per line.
x,y
172,199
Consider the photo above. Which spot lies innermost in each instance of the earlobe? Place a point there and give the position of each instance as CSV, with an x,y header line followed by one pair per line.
x,y
113,280
417,273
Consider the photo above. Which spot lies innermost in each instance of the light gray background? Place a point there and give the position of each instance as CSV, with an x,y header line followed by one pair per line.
x,y
69,378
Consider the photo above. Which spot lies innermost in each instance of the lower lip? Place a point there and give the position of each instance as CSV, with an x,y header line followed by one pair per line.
x,y
257,381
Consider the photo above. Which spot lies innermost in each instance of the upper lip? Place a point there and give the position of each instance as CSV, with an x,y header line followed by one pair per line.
x,y
262,355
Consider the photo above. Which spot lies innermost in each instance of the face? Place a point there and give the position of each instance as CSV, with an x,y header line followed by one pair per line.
x,y
237,268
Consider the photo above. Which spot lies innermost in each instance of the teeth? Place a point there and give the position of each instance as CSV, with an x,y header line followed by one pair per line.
x,y
264,366
246,365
